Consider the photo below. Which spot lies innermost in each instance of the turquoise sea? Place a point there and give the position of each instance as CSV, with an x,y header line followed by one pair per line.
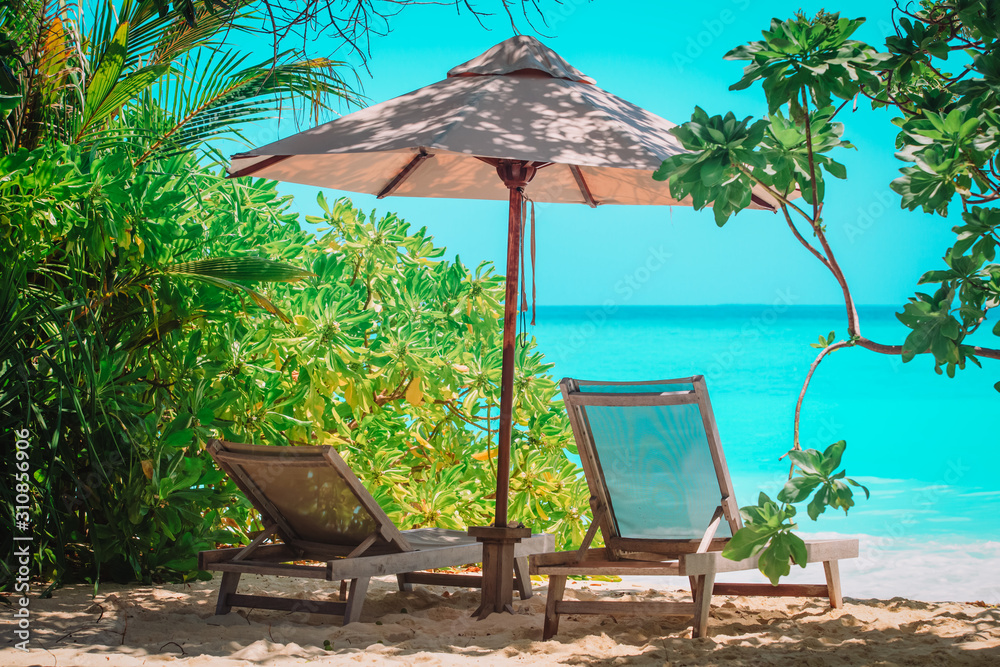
x,y
926,445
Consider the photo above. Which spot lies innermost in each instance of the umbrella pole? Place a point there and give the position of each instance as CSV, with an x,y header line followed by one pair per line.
x,y
500,538
510,308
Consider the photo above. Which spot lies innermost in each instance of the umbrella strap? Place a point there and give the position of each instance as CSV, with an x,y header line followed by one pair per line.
x,y
524,298
524,275
522,335
533,300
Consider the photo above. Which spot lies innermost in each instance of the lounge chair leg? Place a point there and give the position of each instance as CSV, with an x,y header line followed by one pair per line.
x,y
557,586
522,579
226,588
703,604
695,582
403,585
343,590
832,568
355,598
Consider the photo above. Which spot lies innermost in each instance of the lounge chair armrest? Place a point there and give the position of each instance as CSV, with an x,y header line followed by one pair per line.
x,y
816,552
567,557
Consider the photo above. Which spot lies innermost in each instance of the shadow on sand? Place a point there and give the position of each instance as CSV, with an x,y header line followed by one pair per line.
x,y
125,626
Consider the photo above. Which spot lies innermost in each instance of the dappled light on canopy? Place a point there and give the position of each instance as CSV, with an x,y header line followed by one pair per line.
x,y
517,101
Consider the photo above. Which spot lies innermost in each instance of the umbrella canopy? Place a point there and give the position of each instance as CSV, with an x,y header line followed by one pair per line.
x,y
516,122
517,101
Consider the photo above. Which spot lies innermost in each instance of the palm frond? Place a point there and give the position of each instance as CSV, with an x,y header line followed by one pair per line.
x,y
249,269
163,37
230,286
107,70
219,93
223,271
135,46
42,46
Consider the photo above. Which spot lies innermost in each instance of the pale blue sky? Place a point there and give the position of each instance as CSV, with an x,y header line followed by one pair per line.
x,y
666,57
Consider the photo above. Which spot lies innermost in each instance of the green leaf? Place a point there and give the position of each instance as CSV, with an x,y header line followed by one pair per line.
x,y
800,555
836,169
832,457
712,172
798,489
184,478
862,486
809,460
775,561
936,277
194,347
747,542
818,504
180,438
8,103
106,73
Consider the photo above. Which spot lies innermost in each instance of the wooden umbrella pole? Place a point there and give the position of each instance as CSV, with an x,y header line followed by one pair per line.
x,y
515,175
499,539
507,365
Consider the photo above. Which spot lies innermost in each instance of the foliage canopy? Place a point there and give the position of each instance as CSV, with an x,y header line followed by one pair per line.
x,y
809,69
149,303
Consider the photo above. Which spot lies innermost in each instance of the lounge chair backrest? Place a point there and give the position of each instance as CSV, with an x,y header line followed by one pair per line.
x,y
309,493
652,457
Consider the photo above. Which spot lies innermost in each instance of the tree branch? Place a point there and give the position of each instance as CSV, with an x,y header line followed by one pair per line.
x,y
853,324
985,352
809,153
805,385
355,21
774,193
791,225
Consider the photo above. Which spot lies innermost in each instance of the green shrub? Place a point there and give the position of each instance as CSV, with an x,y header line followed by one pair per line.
x,y
128,343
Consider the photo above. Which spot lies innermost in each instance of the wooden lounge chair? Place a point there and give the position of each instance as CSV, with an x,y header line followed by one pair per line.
x,y
310,499
662,498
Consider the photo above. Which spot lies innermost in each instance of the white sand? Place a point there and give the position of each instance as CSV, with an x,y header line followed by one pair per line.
x,y
174,624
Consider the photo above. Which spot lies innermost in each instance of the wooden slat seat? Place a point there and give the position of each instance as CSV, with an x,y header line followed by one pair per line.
x,y
315,509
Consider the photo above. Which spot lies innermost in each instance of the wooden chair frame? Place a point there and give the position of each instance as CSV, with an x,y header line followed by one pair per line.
x,y
386,551
698,559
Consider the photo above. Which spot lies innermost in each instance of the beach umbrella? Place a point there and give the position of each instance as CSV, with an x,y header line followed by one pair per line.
x,y
517,121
